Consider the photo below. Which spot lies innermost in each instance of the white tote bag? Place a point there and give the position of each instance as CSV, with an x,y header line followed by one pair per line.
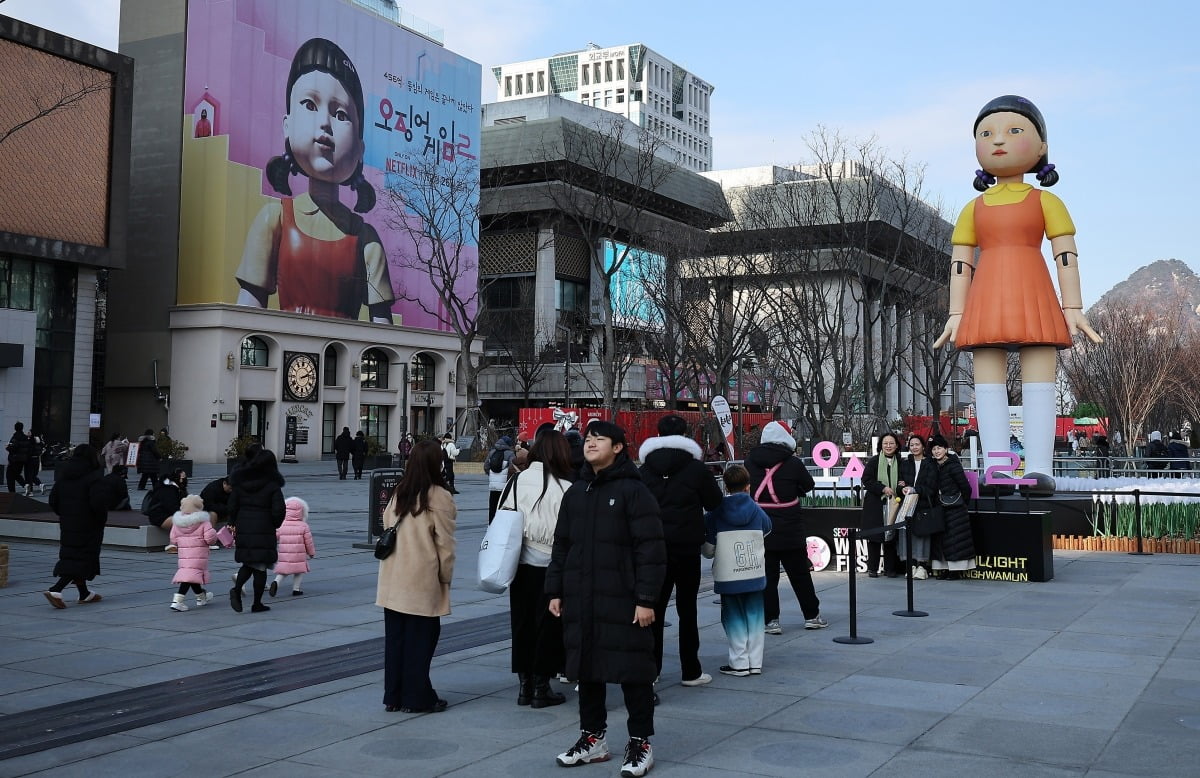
x,y
500,550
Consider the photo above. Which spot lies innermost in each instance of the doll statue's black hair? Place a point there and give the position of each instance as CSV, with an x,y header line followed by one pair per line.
x,y
1046,174
319,54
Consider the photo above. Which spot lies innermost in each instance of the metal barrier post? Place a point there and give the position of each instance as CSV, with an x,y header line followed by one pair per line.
x,y
853,639
908,576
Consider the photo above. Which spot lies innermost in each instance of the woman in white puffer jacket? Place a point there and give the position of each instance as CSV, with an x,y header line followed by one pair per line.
x,y
537,643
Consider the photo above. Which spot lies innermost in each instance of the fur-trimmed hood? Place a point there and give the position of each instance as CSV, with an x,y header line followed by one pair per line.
x,y
295,509
679,442
181,519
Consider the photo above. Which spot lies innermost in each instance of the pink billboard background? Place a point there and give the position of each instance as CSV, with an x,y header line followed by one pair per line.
x,y
239,53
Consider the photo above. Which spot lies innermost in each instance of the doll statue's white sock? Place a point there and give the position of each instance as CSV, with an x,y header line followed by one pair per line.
x,y
1039,421
991,410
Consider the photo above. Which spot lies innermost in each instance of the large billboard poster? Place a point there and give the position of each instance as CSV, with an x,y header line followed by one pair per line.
x,y
309,127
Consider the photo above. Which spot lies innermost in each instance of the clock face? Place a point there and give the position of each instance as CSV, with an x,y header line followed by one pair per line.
x,y
301,376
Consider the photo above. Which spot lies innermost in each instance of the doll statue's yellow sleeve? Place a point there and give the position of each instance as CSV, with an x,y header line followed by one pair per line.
x,y
1058,221
964,228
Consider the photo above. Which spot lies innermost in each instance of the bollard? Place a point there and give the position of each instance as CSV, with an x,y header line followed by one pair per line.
x,y
853,639
909,579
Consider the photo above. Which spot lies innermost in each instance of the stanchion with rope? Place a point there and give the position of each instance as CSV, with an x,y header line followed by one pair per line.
x,y
908,573
853,639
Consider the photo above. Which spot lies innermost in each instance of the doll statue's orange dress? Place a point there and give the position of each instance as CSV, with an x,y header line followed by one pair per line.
x,y
1012,302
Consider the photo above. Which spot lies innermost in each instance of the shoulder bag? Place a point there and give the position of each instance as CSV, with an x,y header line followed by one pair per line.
x,y
927,521
500,551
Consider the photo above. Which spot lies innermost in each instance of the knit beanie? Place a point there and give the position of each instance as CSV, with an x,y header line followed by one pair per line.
x,y
779,433
297,509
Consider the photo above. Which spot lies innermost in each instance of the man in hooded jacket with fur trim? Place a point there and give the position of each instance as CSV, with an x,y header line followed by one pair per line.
x,y
673,469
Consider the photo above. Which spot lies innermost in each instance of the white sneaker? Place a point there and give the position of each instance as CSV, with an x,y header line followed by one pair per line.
x,y
919,574
699,680
639,758
590,747
816,622
773,627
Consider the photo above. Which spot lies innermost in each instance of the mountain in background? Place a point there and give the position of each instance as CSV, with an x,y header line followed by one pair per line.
x,y
1160,280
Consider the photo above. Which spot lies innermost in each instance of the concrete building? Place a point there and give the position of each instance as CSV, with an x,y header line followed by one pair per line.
x,y
64,193
633,80
201,338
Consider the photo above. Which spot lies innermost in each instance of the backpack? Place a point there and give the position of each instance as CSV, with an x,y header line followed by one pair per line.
x,y
495,461
768,484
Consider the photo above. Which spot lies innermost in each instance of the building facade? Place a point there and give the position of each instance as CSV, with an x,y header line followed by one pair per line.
x,y
276,290
633,80
64,189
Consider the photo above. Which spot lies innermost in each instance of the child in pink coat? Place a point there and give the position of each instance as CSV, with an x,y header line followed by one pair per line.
x,y
192,532
295,546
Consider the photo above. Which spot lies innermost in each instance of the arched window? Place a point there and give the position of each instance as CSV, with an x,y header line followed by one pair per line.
x,y
373,369
254,352
331,360
421,373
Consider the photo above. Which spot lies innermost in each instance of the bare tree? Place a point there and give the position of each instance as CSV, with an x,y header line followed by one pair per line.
x,y
437,206
603,181
1134,369
71,92
514,335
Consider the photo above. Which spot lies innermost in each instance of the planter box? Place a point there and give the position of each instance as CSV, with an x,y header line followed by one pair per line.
x,y
1110,543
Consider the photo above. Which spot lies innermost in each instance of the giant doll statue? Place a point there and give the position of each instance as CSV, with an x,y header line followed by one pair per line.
x,y
1004,300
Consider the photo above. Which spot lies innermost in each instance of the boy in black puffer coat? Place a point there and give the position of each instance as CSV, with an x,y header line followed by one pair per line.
x,y
604,579
674,471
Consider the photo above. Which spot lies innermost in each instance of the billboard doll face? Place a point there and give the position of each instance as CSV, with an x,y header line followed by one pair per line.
x,y
321,128
1007,144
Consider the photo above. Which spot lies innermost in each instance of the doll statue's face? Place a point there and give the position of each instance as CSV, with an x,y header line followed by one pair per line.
x,y
322,128
1007,144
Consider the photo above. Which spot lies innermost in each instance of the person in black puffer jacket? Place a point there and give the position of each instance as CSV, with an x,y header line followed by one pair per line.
x,y
954,549
80,499
674,471
605,574
256,510
788,542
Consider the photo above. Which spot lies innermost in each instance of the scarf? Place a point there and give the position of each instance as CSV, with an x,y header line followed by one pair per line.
x,y
887,471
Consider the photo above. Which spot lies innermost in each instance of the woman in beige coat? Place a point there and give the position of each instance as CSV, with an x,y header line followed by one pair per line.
x,y
414,582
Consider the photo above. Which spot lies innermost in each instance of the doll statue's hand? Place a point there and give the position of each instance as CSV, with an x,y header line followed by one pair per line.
x,y
1077,322
950,332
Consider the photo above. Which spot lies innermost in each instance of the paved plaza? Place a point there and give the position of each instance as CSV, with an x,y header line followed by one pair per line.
x,y
1094,673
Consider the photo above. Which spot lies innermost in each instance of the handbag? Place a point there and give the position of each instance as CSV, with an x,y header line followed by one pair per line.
x,y
927,521
500,550
386,543
950,499
225,536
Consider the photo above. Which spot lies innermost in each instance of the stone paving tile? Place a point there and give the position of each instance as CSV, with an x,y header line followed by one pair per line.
x,y
381,752
70,759
913,664
59,692
289,769
852,720
1153,715
197,721
1180,669
899,693
17,681
1070,662
92,663
1174,691
1138,753
275,734
771,752
1047,707
14,650
142,759
1135,645
171,670
1045,742
922,763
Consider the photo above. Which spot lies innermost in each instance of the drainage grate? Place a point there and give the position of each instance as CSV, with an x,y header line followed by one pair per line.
x,y
107,714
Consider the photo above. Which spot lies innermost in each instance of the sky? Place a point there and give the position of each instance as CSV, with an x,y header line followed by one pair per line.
x,y
1120,93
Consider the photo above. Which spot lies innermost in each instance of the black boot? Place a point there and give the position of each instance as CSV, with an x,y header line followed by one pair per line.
x,y
525,695
543,695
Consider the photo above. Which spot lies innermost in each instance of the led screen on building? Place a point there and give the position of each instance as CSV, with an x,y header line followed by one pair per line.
x,y
55,142
311,130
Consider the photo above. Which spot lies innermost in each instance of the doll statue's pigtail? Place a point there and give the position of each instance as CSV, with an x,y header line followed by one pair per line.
x,y
1047,175
281,168
362,188
983,180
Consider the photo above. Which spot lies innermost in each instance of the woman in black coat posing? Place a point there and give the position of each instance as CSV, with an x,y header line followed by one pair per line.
x,y
80,498
881,483
918,474
953,549
256,510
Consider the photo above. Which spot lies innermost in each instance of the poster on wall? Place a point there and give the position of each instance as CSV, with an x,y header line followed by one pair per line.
x,y
310,131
